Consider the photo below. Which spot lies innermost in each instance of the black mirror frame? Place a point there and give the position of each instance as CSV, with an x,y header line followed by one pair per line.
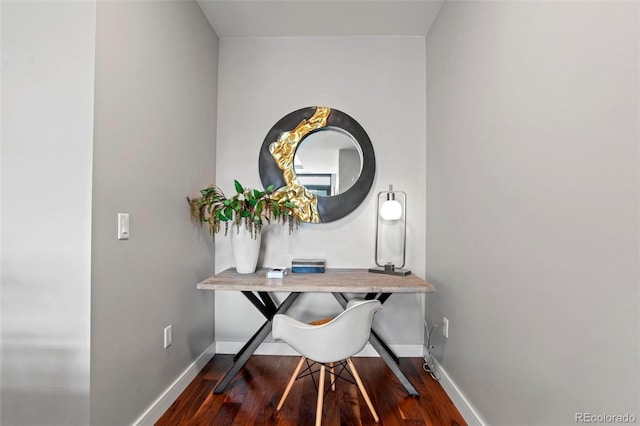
x,y
330,208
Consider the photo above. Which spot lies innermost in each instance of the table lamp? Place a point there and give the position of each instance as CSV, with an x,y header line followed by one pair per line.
x,y
391,233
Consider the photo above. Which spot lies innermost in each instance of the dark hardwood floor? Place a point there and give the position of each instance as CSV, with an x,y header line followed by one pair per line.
x,y
252,396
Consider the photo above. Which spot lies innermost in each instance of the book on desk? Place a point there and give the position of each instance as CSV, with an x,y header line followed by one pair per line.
x,y
308,266
277,272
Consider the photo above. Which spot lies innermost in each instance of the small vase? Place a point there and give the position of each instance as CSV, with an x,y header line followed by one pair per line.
x,y
245,248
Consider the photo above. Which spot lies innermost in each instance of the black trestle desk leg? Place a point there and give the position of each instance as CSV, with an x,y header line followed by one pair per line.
x,y
383,297
252,345
341,299
246,345
259,304
386,357
268,301
386,347
266,306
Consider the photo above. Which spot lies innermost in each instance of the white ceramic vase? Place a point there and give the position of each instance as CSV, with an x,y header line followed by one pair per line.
x,y
245,249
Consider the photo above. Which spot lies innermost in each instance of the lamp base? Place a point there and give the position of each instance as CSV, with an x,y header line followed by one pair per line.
x,y
390,271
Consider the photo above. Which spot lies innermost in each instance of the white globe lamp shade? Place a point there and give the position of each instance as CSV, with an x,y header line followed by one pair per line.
x,y
391,210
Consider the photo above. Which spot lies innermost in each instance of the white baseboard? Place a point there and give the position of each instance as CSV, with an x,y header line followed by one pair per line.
x,y
279,348
463,405
162,404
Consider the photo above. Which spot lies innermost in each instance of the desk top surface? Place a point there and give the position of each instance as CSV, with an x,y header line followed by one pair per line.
x,y
332,280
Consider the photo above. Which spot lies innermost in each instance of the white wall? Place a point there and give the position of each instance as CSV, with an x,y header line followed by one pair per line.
x,y
47,124
380,82
155,125
532,206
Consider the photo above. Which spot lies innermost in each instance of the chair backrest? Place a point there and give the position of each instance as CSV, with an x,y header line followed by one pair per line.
x,y
340,338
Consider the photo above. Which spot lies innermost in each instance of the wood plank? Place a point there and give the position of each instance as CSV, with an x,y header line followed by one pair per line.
x,y
435,404
252,396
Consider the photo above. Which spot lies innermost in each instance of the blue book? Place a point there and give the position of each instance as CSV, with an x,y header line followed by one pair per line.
x,y
307,269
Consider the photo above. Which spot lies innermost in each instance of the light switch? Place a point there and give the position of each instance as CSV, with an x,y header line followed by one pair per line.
x,y
123,226
167,336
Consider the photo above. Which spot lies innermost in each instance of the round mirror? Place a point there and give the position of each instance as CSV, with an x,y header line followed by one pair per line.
x,y
300,134
328,162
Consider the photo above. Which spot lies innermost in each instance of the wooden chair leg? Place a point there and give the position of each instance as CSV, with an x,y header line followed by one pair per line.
x,y
362,389
320,396
333,377
290,384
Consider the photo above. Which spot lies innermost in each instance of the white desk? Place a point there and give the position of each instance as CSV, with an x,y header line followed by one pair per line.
x,y
257,288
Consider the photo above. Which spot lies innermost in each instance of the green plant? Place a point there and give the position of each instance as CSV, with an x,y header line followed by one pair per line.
x,y
248,207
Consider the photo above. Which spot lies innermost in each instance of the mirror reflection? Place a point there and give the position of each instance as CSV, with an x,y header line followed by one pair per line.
x,y
344,182
328,162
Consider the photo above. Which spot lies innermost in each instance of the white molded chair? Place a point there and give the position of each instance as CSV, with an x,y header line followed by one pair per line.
x,y
335,341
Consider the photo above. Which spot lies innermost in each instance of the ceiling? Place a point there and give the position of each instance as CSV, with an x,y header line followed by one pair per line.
x,y
282,18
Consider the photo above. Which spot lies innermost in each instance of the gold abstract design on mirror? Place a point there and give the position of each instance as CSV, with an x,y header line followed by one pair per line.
x,y
283,151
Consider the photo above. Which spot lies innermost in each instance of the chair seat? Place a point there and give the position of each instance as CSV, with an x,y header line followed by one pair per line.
x,y
328,341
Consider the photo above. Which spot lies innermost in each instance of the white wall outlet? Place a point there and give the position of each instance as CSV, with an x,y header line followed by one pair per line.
x,y
445,327
167,336
123,226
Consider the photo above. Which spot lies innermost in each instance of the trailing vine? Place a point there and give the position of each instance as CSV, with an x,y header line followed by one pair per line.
x,y
248,207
